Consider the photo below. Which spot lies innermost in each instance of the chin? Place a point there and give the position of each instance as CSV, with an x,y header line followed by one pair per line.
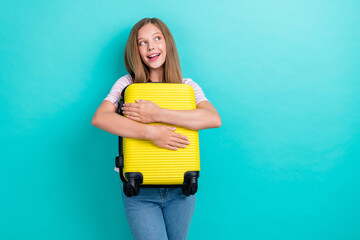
x,y
155,66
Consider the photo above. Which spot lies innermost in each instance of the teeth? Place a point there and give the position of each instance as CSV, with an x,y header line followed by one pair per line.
x,y
154,55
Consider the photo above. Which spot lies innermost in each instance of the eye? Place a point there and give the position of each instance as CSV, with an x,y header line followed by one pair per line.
x,y
158,38
141,43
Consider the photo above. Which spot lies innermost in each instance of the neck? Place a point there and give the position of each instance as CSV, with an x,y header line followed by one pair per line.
x,y
157,75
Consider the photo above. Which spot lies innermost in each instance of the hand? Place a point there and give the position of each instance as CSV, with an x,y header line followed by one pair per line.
x,y
165,137
142,111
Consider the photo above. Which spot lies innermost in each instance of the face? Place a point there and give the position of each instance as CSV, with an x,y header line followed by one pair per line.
x,y
152,46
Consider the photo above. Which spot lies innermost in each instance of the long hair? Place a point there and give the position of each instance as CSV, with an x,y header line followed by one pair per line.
x,y
135,66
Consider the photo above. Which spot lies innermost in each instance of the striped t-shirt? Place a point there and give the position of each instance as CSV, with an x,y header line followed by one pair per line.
x,y
122,82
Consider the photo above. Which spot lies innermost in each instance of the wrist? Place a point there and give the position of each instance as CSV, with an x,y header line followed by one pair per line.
x,y
149,132
160,115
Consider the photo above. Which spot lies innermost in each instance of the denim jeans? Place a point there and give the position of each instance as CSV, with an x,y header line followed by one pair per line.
x,y
159,213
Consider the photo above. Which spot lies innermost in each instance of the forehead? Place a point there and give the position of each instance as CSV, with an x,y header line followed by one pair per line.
x,y
147,31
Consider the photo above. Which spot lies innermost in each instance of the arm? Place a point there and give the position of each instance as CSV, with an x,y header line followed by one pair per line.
x,y
204,116
107,119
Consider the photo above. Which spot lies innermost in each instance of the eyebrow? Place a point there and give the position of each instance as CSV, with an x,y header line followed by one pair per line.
x,y
152,35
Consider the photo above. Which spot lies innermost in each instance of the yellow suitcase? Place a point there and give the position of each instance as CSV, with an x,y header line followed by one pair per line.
x,y
141,163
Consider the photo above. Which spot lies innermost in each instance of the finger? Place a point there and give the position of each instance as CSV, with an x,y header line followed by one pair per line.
x,y
129,108
170,147
178,145
181,141
134,114
140,101
180,136
171,128
134,105
134,118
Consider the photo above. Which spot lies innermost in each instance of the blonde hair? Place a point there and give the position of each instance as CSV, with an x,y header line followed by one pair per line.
x,y
135,66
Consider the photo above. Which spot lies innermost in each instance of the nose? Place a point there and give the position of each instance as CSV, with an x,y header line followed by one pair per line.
x,y
151,47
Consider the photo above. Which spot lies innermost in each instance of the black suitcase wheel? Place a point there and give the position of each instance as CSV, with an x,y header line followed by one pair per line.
x,y
131,188
193,186
190,188
185,190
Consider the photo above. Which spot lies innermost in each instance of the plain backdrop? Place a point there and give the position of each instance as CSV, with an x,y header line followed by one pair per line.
x,y
283,75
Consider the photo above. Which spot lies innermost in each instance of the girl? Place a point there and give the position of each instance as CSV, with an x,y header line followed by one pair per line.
x,y
151,56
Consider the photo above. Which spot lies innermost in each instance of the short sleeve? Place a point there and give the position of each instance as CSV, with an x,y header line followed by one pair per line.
x,y
199,94
117,88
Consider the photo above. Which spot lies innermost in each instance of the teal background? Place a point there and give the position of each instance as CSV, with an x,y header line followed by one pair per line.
x,y
284,76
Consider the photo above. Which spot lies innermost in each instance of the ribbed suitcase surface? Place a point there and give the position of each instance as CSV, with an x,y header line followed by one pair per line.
x,y
160,166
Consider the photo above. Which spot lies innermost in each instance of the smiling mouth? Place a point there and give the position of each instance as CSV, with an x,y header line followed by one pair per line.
x,y
154,56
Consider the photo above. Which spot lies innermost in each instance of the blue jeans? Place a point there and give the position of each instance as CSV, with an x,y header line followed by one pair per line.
x,y
159,213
